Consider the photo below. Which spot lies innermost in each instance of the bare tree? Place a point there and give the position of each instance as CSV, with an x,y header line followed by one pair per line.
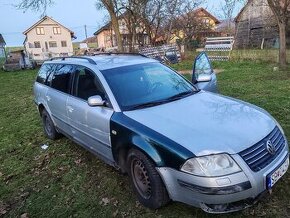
x,y
188,23
35,5
281,10
113,7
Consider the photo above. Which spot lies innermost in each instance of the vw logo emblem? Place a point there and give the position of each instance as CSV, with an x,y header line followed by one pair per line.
x,y
270,147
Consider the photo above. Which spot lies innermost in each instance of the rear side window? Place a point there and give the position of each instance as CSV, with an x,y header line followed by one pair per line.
x,y
44,73
61,79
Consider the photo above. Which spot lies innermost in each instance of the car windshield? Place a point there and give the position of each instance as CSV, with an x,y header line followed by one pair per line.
x,y
146,85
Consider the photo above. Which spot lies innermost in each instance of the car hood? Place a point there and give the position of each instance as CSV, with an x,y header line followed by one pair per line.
x,y
207,123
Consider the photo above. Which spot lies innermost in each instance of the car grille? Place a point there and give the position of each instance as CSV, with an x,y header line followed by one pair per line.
x,y
257,157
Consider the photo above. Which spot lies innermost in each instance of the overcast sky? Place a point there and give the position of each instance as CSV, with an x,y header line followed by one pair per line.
x,y
73,14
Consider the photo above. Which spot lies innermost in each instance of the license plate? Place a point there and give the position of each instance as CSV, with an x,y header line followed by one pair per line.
x,y
277,174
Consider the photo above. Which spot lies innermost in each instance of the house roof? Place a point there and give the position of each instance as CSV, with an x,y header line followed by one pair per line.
x,y
2,41
242,10
196,11
106,27
43,19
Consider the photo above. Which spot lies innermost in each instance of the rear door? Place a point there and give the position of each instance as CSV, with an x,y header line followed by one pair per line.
x,y
90,125
57,95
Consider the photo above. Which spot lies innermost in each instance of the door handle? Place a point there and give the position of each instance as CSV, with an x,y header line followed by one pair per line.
x,y
70,109
48,97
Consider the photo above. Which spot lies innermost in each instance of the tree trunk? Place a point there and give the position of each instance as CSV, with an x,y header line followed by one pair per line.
x,y
116,29
282,49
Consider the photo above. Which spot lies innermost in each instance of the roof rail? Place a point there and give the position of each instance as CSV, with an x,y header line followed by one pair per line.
x,y
121,53
90,60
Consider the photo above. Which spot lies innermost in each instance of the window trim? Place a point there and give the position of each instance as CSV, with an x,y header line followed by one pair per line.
x,y
63,41
35,44
55,30
52,46
40,32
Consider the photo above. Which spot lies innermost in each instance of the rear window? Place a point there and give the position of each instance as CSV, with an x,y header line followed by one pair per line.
x,y
44,73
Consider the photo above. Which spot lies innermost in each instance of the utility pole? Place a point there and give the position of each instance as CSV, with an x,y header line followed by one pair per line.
x,y
86,33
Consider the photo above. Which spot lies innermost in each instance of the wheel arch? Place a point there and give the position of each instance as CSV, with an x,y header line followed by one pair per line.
x,y
120,152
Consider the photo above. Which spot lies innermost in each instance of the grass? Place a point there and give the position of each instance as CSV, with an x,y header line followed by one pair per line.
x,y
67,181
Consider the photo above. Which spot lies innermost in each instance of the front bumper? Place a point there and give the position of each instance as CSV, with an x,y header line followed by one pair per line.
x,y
220,194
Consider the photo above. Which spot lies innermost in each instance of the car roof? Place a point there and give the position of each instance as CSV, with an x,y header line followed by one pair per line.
x,y
105,61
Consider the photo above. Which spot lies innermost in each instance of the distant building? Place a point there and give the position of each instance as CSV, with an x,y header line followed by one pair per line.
x,y
47,38
2,47
256,26
207,20
106,37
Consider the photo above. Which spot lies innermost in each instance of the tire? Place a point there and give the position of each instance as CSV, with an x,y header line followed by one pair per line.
x,y
48,126
145,180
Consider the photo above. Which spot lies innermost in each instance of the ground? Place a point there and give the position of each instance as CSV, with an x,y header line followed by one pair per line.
x,y
67,181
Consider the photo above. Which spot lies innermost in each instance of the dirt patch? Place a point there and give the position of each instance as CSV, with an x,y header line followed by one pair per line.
x,y
217,71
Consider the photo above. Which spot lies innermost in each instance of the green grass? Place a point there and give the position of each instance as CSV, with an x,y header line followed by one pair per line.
x,y
67,181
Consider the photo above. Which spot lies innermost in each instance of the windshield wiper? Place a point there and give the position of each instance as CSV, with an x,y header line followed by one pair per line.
x,y
181,95
148,104
172,98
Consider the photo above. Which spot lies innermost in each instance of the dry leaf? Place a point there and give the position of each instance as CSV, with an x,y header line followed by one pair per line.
x,y
24,215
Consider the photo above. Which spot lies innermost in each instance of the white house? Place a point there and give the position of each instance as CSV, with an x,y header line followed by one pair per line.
x,y
47,38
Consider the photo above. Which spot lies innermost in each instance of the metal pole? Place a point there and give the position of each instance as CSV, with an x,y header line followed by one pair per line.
x,y
86,33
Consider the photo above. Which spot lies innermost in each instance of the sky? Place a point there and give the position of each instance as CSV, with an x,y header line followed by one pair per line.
x,y
73,14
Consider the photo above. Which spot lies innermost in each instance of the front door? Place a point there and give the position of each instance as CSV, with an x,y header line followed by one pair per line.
x,y
90,125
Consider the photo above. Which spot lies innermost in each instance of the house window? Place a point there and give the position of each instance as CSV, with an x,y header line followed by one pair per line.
x,y
39,30
63,44
37,45
52,44
30,45
56,31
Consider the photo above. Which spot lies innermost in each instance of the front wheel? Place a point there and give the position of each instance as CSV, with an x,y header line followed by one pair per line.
x,y
146,182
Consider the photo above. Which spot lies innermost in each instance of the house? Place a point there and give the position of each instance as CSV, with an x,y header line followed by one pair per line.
x,y
106,37
256,26
2,47
47,38
204,22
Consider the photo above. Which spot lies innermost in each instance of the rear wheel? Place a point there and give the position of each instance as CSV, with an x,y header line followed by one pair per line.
x,y
48,126
146,181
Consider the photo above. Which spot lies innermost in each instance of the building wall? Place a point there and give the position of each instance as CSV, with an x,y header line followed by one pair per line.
x,y
45,51
2,52
256,27
104,39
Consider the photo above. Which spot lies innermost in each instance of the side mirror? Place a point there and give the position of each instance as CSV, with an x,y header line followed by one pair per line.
x,y
202,69
95,100
204,78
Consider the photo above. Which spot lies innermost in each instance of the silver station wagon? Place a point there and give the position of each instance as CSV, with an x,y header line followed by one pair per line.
x,y
176,139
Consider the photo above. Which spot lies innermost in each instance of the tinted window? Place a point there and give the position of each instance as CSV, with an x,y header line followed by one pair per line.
x,y
44,73
62,77
87,84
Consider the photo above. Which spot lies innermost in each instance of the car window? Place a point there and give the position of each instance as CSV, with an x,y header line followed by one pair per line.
x,y
86,84
144,83
62,77
44,73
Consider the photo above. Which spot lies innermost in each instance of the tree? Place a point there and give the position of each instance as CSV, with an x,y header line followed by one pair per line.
x,y
35,5
112,6
281,10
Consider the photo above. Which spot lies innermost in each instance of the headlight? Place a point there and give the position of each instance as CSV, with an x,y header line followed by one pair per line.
x,y
211,165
